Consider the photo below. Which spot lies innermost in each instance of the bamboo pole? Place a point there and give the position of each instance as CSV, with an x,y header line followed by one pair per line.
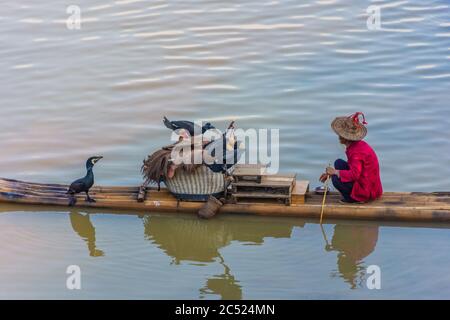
x,y
410,209
324,236
324,197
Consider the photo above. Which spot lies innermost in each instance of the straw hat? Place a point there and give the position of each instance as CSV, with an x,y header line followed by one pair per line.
x,y
349,127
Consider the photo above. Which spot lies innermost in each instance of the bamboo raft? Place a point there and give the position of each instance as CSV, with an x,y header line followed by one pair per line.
x,y
394,206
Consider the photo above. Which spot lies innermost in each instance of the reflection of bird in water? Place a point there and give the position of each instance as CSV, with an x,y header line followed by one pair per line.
x,y
187,238
353,243
82,225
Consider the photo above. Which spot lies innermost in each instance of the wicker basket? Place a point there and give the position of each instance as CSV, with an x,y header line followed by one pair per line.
x,y
197,185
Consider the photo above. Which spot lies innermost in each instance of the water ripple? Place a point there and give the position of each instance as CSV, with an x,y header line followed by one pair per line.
x,y
291,65
249,27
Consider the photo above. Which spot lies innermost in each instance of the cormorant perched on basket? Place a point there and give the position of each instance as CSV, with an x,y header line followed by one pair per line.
x,y
230,156
83,184
189,126
230,151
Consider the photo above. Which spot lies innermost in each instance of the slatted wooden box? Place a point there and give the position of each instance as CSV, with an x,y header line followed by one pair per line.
x,y
251,183
249,172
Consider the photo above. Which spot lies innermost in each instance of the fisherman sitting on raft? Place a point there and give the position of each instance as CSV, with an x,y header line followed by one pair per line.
x,y
358,179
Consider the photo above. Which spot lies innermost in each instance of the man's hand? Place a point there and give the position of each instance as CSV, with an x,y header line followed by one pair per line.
x,y
331,171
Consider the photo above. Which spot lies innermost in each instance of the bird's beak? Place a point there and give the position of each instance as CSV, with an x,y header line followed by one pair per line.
x,y
98,159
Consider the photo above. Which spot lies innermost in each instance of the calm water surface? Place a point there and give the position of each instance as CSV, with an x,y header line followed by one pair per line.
x,y
241,257
292,65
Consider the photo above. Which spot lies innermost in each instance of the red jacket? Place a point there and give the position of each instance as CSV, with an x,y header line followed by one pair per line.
x,y
364,172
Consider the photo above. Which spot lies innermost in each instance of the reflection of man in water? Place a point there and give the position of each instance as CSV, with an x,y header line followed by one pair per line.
x,y
82,225
353,243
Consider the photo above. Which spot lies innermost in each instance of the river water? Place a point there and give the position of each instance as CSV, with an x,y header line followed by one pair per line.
x,y
289,65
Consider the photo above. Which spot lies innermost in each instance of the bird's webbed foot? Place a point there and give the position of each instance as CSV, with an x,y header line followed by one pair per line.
x,y
90,200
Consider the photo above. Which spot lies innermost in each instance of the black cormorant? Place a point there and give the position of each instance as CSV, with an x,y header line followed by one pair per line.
x,y
189,126
227,159
83,184
230,151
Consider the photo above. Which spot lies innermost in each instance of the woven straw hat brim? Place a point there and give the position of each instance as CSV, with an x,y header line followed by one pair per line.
x,y
347,129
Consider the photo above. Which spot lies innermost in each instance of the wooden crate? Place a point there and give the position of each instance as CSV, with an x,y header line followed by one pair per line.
x,y
299,193
248,172
277,188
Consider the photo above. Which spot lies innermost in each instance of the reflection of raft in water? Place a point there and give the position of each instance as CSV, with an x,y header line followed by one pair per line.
x,y
194,241
433,207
